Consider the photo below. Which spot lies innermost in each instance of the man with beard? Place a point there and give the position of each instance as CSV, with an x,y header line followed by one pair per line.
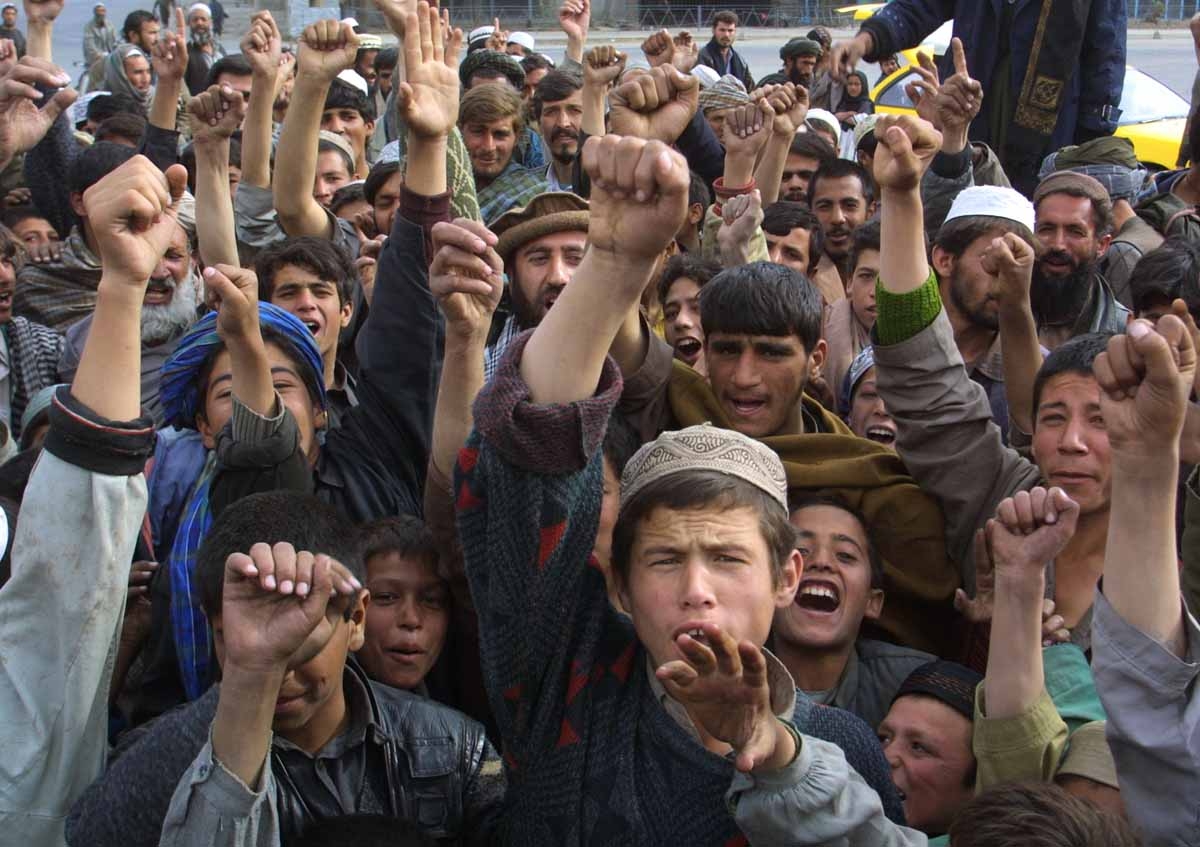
x,y
168,309
978,216
141,30
842,196
99,38
799,58
1074,227
719,54
541,245
203,49
558,109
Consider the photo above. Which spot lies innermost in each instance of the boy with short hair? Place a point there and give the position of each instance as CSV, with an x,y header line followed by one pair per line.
x,y
849,321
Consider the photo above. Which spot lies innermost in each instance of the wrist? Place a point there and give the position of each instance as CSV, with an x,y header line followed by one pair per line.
x,y
785,750
622,265
739,170
116,285
313,80
1021,580
908,198
465,337
954,141
1146,462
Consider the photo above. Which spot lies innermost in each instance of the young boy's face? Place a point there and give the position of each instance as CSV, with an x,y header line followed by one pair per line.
x,y
698,566
406,621
862,287
310,701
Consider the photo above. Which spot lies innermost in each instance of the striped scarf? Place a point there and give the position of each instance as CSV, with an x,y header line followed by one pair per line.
x,y
189,625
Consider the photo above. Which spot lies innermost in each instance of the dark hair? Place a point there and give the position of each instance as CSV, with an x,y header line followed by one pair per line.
x,y
1102,211
133,22
867,143
402,534
866,237
1037,814
1168,272
806,500
318,255
691,265
106,105
555,86
187,158
123,125
782,216
302,520
723,17
1074,357
11,247
955,236
343,95
95,163
762,298
273,337
377,178
349,193
388,57
14,215
363,831
235,64
699,489
235,152
15,473
698,191
620,442
837,169
812,145
537,62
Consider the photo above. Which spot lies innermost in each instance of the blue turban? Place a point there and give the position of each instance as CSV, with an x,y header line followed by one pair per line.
x,y
180,389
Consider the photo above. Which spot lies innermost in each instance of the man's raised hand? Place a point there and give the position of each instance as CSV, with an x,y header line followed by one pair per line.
x,y
958,100
233,292
466,275
276,601
659,104
687,52
262,45
427,99
1008,262
22,123
790,103
574,18
216,113
748,128
922,88
1030,529
170,55
133,214
723,685
639,195
42,11
603,65
328,47
659,48
1145,377
906,147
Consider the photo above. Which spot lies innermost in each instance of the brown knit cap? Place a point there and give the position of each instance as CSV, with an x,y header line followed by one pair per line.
x,y
1074,183
553,211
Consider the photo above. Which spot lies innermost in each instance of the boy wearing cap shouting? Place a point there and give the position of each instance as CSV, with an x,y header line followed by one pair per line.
x,y
663,727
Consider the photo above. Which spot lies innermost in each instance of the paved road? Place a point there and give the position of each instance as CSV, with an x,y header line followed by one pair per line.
x,y
1170,58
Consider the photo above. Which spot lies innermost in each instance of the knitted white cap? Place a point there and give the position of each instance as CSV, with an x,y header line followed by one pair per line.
x,y
353,77
522,38
828,118
994,202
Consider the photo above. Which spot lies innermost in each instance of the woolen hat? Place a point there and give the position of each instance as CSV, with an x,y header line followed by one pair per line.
x,y
725,94
1089,756
1111,161
706,448
340,143
491,60
863,362
948,682
547,213
1076,183
799,47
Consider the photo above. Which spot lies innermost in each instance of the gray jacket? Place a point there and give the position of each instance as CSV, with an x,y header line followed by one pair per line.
x,y
60,616
1153,706
872,677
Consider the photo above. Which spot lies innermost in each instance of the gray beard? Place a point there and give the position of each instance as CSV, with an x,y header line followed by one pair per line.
x,y
202,38
160,323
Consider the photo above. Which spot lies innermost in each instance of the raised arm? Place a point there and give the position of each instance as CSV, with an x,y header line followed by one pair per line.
x,y
262,47
574,18
1008,262
328,48
170,58
602,67
39,19
60,611
215,115
906,146
790,103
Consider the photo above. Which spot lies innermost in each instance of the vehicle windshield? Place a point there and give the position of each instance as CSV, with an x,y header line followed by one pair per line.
x,y
1144,98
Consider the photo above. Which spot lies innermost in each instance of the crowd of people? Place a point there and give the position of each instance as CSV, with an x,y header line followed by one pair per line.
x,y
450,443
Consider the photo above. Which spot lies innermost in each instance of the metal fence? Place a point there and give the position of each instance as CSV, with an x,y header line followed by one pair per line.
x,y
1167,10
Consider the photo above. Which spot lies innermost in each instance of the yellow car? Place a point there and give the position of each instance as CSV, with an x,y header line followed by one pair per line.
x,y
1152,115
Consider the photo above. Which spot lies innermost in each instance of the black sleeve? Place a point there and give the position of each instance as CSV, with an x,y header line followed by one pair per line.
x,y
273,464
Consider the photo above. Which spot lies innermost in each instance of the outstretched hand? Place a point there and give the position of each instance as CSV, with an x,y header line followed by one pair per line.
x,y
22,123
575,18
427,99
658,105
133,214
1145,377
722,683
262,45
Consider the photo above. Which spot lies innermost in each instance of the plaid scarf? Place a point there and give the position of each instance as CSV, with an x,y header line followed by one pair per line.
x,y
33,351
60,293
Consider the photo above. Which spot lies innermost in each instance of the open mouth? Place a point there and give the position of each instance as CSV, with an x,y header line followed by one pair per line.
x,y
6,298
688,349
748,407
696,633
881,434
821,597
158,294
313,327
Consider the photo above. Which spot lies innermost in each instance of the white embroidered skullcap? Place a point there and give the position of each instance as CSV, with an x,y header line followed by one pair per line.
x,y
827,118
994,202
354,78
522,38
706,448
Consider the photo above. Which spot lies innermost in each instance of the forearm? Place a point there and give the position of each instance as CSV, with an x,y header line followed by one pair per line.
x,y
575,46
1141,575
214,205
1022,360
739,170
564,358
1189,439
241,732
901,242
1015,677
769,173
39,41
107,381
461,380
425,170
165,105
299,213
252,382
256,132
593,110
630,343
